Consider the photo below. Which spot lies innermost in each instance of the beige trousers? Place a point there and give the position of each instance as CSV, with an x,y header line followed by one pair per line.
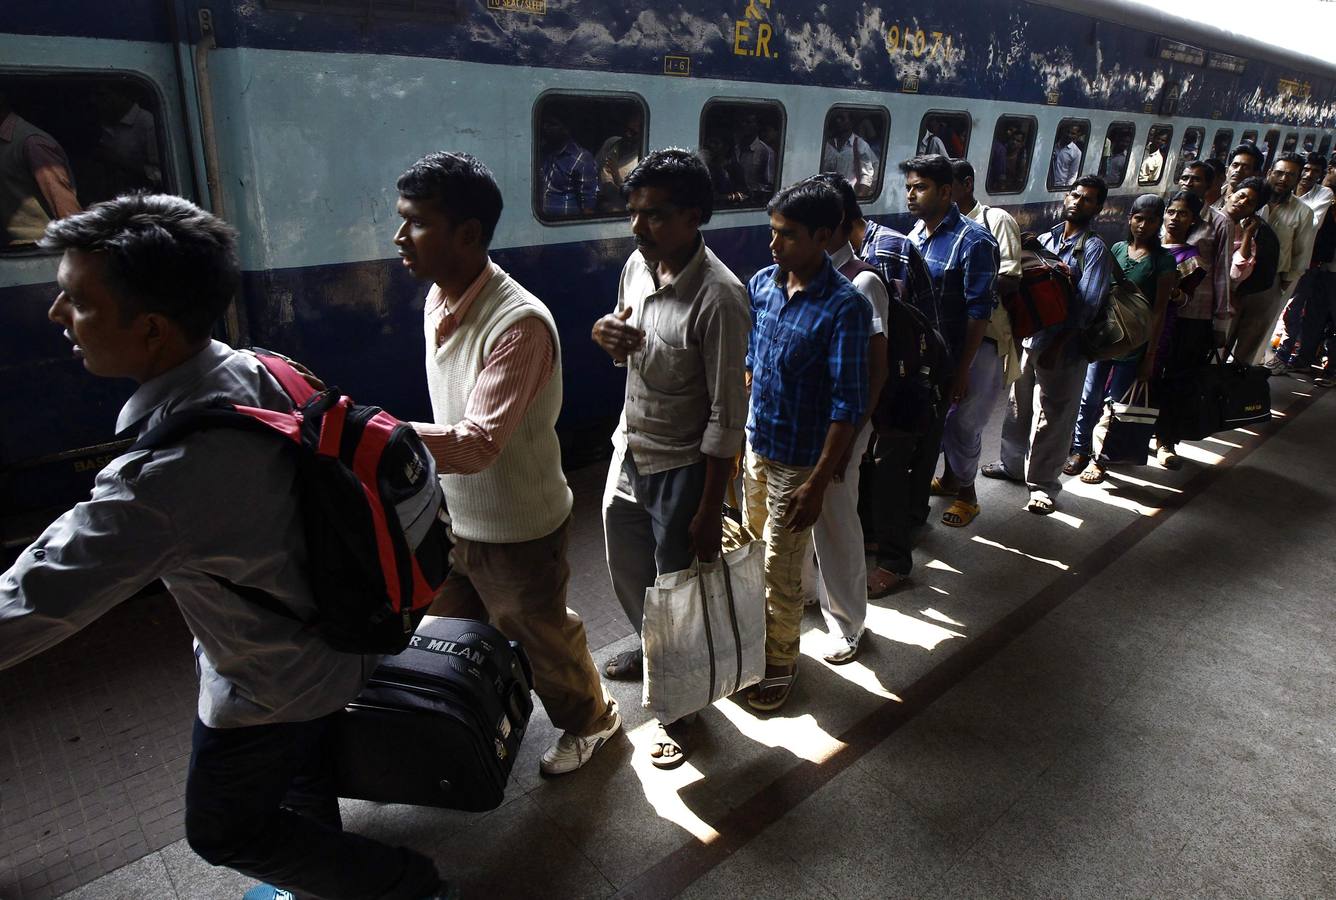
x,y
770,489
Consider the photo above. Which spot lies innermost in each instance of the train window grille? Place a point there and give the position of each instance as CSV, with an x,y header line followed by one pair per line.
x,y
853,144
584,146
378,10
742,143
1010,153
1155,155
1069,151
946,132
108,127
1118,143
1223,144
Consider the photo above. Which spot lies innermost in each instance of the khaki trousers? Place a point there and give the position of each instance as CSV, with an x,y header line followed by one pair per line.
x,y
1254,325
521,590
770,487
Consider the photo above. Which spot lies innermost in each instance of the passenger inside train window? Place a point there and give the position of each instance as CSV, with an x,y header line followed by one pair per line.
x,y
1157,153
1069,146
1291,142
35,181
846,151
1310,142
1009,156
1223,143
1325,147
1118,142
1249,137
1268,147
1189,151
945,133
742,144
586,148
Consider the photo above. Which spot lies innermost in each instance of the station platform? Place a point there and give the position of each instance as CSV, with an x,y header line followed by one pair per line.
x,y
1129,698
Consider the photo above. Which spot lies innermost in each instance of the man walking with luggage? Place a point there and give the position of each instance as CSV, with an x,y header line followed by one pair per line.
x,y
143,280
807,360
680,329
1052,367
494,375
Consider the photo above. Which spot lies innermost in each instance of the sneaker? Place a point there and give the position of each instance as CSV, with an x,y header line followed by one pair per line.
x,y
846,650
570,752
1276,367
1166,457
268,892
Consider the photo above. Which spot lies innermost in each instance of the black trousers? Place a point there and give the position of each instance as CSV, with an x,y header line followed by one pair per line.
x,y
895,497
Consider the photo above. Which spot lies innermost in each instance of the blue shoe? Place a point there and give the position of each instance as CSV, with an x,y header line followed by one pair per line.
x,y
268,892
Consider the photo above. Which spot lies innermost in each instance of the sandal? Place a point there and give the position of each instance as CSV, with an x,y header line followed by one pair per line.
x,y
881,582
960,513
1076,463
669,749
938,489
1094,474
1041,504
629,665
998,471
779,686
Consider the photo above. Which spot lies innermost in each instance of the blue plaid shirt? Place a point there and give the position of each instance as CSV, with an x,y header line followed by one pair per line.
x,y
962,256
570,181
900,263
808,358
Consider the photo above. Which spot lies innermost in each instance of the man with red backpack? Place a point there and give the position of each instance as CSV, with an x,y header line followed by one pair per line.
x,y
215,516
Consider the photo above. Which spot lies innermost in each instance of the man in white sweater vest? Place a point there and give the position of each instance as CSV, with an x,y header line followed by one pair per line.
x,y
494,375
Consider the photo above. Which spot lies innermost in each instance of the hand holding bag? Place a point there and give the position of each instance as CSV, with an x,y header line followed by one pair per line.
x,y
1124,431
704,633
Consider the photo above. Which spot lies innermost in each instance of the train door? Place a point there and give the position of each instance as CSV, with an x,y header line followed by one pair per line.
x,y
95,119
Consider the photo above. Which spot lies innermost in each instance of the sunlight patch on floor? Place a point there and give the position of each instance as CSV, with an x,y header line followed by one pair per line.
x,y
1066,518
896,626
940,616
1055,563
800,735
1101,494
663,787
1199,455
1141,482
938,564
1216,440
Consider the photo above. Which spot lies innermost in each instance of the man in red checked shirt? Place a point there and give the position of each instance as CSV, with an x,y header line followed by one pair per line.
x,y
35,182
494,375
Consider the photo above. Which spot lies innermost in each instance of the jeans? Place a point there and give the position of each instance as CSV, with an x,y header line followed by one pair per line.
x,y
261,800
1104,380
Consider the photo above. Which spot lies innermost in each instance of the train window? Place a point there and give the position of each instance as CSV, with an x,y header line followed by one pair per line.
x,y
85,139
1310,143
1250,137
1268,147
1223,143
1291,142
1009,156
1069,148
1325,147
1157,152
742,142
586,145
854,145
1118,141
1189,150
945,132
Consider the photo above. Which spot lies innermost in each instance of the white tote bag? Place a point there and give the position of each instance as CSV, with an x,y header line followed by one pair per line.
x,y
704,633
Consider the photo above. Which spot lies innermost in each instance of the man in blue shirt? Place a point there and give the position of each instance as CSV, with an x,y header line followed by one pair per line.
x,y
569,179
808,367
961,257
1052,361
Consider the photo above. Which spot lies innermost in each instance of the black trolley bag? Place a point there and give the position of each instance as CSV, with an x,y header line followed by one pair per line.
x,y
440,723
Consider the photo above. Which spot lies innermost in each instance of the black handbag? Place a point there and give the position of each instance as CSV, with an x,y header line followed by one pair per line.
x,y
1245,395
1124,431
1189,405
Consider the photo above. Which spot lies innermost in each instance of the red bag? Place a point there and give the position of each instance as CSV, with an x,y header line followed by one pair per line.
x,y
1046,290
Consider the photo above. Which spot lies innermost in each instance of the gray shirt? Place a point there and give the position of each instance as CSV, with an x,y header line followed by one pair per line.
x,y
686,393
219,502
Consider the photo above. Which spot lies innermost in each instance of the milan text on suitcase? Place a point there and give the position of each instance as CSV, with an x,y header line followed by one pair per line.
x,y
376,601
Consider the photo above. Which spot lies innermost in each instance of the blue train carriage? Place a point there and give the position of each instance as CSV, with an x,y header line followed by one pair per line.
x,y
293,118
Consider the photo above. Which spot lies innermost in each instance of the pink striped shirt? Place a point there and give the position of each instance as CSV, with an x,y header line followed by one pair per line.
x,y
518,367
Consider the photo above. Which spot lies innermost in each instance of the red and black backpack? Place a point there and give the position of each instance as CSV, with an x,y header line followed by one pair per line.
x,y
371,506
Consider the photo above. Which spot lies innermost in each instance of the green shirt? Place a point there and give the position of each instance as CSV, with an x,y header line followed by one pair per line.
x,y
1144,273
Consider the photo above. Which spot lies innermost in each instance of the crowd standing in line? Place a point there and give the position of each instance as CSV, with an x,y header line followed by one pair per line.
x,y
803,378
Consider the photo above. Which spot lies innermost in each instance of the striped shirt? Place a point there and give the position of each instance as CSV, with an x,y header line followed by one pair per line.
x,y
570,181
516,369
900,263
808,357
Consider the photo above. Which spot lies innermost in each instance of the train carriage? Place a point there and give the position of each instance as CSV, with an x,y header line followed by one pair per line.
x,y
292,118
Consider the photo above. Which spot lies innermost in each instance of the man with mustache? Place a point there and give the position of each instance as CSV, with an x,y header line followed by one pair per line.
x,y
680,329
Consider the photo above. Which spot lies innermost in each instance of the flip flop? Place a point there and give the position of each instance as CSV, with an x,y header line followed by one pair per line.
x,y
1075,463
937,489
1041,505
883,587
765,684
666,750
962,512
999,471
628,665
1094,474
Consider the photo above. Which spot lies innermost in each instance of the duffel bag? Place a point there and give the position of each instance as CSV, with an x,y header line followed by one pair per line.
x,y
1245,395
1045,291
1189,405
1124,431
440,723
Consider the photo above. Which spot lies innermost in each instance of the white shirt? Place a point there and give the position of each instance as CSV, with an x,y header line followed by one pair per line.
x,y
1067,164
931,143
1319,198
853,160
758,166
870,285
1292,221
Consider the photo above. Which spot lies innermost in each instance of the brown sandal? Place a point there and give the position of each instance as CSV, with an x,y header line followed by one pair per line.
x,y
960,514
881,582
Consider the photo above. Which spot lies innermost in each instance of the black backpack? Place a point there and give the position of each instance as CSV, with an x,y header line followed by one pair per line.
x,y
920,369
371,506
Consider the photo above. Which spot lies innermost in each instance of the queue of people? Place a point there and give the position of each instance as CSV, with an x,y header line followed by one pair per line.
x,y
832,380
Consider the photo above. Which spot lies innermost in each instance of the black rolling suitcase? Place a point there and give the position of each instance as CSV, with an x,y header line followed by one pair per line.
x,y
439,724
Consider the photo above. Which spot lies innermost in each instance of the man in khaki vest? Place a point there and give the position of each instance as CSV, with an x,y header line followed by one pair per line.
x,y
494,375
35,182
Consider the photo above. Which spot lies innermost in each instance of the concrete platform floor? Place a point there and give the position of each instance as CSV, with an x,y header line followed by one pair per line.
x,y
1131,698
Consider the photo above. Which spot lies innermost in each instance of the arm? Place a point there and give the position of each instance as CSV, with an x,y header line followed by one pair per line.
x,y
1095,280
612,333
1245,257
92,558
1164,289
805,507
1008,236
518,367
919,284
868,176
51,171
980,275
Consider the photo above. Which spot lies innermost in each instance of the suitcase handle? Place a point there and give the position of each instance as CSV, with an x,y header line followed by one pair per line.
x,y
516,701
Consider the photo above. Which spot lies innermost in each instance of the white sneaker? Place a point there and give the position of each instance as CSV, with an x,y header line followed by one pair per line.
x,y
846,649
570,752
